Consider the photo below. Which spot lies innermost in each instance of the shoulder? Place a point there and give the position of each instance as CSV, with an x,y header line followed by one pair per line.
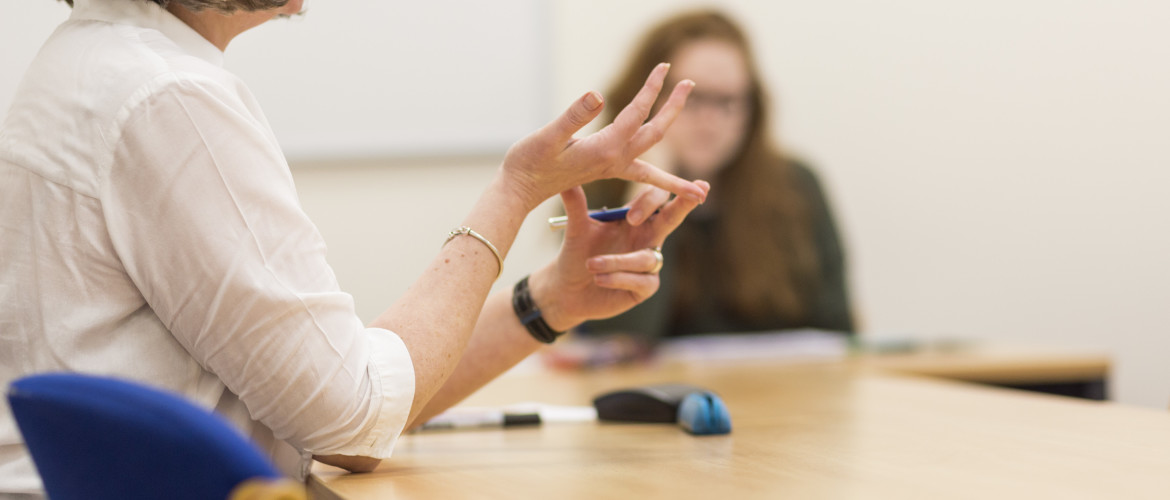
x,y
107,63
803,175
806,181
102,71
87,82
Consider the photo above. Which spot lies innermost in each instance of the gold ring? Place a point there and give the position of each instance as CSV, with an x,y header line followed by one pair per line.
x,y
657,260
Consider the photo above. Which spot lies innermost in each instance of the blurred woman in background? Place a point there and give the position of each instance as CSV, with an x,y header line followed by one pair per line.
x,y
763,253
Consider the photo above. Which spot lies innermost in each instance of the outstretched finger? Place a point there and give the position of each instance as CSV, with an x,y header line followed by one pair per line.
x,y
673,213
643,206
579,114
641,285
638,261
654,130
635,113
641,171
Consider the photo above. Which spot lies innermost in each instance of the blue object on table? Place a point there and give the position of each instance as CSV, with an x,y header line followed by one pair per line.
x,y
697,410
97,438
703,413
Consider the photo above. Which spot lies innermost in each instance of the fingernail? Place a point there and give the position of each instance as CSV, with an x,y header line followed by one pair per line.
x,y
705,187
698,198
594,264
592,100
634,217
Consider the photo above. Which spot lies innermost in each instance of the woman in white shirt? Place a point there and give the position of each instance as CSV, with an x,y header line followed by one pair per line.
x,y
151,231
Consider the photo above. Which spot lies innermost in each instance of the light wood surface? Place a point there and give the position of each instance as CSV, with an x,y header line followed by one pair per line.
x,y
996,364
833,430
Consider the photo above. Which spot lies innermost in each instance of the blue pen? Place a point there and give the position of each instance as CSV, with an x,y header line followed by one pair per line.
x,y
603,215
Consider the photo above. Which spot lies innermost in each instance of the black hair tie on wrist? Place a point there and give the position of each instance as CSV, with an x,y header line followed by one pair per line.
x,y
530,315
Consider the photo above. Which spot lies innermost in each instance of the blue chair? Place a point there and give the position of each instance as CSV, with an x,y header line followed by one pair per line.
x,y
97,438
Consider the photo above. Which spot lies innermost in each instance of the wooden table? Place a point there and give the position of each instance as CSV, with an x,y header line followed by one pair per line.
x,y
1067,371
830,430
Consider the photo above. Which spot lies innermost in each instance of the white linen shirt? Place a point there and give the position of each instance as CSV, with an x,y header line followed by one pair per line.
x,y
150,230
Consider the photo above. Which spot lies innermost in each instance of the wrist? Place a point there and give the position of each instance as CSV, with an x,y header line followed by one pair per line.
x,y
550,302
518,189
497,216
506,193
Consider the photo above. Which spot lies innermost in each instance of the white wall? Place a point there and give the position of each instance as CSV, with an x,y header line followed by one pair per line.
x,y
1000,169
372,51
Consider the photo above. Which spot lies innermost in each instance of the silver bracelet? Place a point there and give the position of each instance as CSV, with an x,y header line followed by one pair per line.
x,y
470,232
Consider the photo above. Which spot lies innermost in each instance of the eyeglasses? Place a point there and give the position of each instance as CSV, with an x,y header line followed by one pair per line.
x,y
727,104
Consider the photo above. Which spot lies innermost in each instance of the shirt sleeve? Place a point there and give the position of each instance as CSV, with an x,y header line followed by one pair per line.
x,y
202,211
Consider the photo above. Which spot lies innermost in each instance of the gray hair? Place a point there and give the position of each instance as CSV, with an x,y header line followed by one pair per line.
x,y
225,6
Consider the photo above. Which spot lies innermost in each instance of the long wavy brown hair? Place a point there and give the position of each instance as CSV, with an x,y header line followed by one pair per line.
x,y
761,244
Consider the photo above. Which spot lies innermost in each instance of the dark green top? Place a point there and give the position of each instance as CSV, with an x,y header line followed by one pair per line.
x,y
829,310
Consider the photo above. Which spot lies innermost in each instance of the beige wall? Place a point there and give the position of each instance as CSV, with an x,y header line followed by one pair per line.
x,y
1000,170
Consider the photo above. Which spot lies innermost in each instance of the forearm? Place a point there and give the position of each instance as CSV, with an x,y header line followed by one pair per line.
x,y
436,315
498,343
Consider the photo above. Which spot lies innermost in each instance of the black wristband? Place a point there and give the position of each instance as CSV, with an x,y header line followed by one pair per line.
x,y
530,315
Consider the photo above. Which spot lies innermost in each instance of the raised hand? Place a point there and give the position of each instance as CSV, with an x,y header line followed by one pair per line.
x,y
551,160
605,268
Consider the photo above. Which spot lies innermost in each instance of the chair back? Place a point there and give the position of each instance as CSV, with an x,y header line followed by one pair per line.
x,y
98,438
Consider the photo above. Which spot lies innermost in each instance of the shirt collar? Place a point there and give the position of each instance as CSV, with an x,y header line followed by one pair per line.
x,y
147,14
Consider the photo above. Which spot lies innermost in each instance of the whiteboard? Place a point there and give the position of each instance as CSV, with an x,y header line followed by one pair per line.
x,y
377,78
371,78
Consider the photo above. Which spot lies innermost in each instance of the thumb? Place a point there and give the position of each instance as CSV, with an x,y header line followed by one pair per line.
x,y
579,114
576,207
